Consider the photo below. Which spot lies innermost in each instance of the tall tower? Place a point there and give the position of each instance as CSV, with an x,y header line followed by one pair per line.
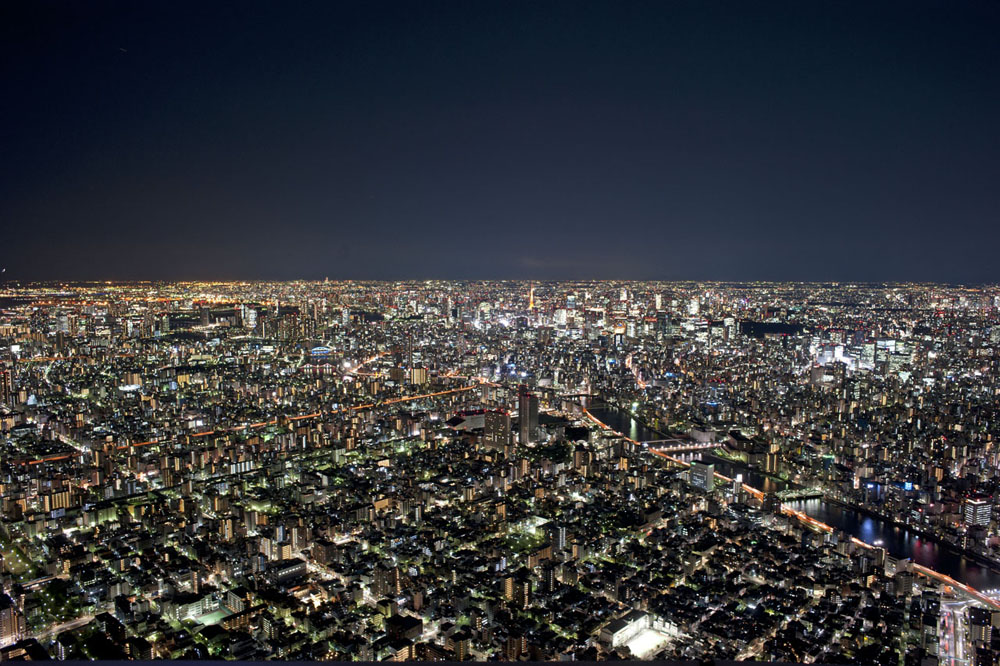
x,y
409,352
527,409
531,295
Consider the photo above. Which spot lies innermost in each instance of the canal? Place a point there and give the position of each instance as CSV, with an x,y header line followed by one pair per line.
x,y
898,541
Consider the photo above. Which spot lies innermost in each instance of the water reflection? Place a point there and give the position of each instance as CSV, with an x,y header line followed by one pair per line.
x,y
901,543
624,423
751,476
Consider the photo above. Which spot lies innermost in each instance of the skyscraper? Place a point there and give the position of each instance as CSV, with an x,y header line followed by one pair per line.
x,y
527,410
385,581
12,626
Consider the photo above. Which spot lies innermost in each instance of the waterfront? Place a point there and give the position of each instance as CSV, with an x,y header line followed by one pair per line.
x,y
623,422
751,477
898,541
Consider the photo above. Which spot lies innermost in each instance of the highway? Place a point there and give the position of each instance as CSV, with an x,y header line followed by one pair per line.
x,y
952,645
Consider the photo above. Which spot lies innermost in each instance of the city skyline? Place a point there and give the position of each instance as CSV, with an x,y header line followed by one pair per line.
x,y
440,470
522,331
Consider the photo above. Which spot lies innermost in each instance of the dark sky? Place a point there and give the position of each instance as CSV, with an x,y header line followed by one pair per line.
x,y
471,139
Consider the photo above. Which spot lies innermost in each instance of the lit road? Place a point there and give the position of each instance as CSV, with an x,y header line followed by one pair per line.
x,y
57,629
343,410
680,447
357,369
951,636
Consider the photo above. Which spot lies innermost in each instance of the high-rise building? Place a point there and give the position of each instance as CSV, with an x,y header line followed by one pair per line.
x,y
904,583
385,582
980,625
977,511
496,429
12,626
515,646
418,375
6,387
517,589
527,410
702,476
731,328
558,537
548,577
771,463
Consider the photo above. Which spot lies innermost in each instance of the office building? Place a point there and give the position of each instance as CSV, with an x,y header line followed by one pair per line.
x,y
527,404
702,476
977,511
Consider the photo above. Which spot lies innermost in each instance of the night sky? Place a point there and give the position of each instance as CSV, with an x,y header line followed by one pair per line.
x,y
807,140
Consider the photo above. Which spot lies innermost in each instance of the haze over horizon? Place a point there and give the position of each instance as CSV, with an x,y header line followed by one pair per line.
x,y
557,140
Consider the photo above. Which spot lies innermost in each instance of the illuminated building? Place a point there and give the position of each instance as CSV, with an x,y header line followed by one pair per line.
x,y
12,626
702,476
977,511
6,387
496,429
527,407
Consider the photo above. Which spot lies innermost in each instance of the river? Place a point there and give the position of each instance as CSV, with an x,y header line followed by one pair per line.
x,y
898,541
624,423
901,542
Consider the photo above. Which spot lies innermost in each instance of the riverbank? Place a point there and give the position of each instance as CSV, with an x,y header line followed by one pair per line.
x,y
605,404
720,453
979,558
771,483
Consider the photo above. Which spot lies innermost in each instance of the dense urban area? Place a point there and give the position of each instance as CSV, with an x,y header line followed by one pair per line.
x,y
500,471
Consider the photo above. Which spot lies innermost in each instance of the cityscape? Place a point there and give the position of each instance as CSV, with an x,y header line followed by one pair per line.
x,y
661,331
513,470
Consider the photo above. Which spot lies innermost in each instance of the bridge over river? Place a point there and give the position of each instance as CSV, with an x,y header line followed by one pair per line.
x,y
799,494
677,445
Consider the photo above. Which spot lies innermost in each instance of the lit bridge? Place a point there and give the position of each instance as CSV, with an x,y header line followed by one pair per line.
x,y
678,445
799,494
